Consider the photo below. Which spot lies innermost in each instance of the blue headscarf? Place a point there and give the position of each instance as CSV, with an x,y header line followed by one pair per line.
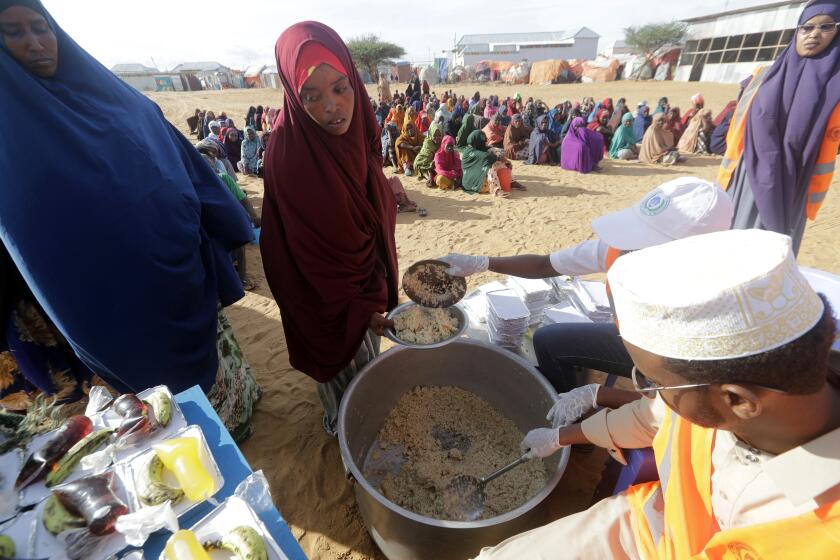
x,y
555,126
594,113
122,233
640,122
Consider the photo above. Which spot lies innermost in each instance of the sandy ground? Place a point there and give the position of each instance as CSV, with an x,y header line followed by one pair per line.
x,y
301,462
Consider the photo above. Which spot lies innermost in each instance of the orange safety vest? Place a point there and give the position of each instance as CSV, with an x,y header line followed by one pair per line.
x,y
673,519
824,166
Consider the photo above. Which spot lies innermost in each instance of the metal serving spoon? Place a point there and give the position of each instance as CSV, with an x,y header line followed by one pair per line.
x,y
464,497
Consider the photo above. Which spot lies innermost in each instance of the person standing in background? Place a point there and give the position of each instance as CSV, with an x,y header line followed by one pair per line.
x,y
784,135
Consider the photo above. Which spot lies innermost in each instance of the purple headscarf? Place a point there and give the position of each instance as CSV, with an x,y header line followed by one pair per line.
x,y
786,124
582,148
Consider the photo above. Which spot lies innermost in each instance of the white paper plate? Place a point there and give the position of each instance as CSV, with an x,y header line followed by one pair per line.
x,y
507,306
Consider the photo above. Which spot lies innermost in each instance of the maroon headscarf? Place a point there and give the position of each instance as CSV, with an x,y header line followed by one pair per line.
x,y
730,108
329,218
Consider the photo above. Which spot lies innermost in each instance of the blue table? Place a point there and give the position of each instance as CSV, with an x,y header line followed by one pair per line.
x,y
235,469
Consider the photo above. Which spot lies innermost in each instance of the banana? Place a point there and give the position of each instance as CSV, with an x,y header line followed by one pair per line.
x,y
150,486
243,542
57,519
82,448
7,547
161,406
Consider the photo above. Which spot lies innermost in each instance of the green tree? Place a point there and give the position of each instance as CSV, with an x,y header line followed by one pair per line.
x,y
369,52
647,39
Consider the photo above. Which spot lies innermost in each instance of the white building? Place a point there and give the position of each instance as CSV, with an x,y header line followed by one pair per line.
x,y
146,78
728,46
533,47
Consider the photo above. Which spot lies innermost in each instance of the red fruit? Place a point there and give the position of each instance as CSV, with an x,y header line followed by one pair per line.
x,y
41,461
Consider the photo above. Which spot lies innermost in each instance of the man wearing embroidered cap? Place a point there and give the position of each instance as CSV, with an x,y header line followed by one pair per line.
x,y
674,210
740,404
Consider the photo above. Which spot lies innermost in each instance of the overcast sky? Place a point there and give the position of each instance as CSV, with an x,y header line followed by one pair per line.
x,y
243,32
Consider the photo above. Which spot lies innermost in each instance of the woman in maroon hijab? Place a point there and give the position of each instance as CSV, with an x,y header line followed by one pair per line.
x,y
329,215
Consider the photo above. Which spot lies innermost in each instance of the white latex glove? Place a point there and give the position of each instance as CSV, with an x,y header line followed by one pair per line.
x,y
465,265
573,405
542,442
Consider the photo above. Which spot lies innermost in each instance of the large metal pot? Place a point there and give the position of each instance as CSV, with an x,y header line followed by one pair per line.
x,y
503,379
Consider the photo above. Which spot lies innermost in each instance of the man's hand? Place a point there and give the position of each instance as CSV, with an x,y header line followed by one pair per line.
x,y
378,324
542,442
465,265
573,405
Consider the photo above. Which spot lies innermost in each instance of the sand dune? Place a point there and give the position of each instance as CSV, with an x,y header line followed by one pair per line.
x,y
301,462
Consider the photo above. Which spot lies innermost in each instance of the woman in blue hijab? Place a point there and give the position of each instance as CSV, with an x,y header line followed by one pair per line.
x,y
123,233
642,120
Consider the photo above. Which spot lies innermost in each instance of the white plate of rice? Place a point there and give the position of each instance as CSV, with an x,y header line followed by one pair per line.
x,y
426,327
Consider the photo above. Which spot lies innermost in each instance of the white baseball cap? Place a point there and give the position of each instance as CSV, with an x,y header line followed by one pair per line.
x,y
674,210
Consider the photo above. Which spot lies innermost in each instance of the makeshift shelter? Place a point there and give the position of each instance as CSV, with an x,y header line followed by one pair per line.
x,y
252,74
601,70
518,73
430,74
551,72
270,78
576,68
461,74
661,66
404,72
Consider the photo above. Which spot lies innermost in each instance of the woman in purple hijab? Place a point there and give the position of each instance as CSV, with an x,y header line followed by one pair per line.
x,y
779,175
582,148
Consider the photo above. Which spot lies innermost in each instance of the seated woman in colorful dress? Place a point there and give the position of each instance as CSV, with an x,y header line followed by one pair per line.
x,y
582,148
623,145
697,137
601,126
658,145
407,146
448,165
495,131
481,166
544,145
516,139
389,137
249,159
424,163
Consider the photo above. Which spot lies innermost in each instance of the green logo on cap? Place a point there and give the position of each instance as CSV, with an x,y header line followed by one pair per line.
x,y
655,204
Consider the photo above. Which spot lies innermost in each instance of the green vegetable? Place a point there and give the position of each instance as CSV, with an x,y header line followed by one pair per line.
x,y
57,519
83,448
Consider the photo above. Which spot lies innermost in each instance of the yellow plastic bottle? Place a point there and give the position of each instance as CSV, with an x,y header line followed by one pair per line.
x,y
180,455
184,545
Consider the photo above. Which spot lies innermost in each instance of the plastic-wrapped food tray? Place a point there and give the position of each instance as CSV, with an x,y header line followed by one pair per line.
x,y
234,512
130,470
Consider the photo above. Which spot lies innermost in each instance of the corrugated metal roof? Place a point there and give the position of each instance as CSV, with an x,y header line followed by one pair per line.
x,y
758,8
133,68
528,37
199,67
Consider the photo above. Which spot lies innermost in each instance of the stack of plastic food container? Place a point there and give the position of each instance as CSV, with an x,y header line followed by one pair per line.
x,y
535,293
507,318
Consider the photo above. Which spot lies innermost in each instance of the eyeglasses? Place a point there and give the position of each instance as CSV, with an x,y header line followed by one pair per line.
x,y
647,387
825,28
